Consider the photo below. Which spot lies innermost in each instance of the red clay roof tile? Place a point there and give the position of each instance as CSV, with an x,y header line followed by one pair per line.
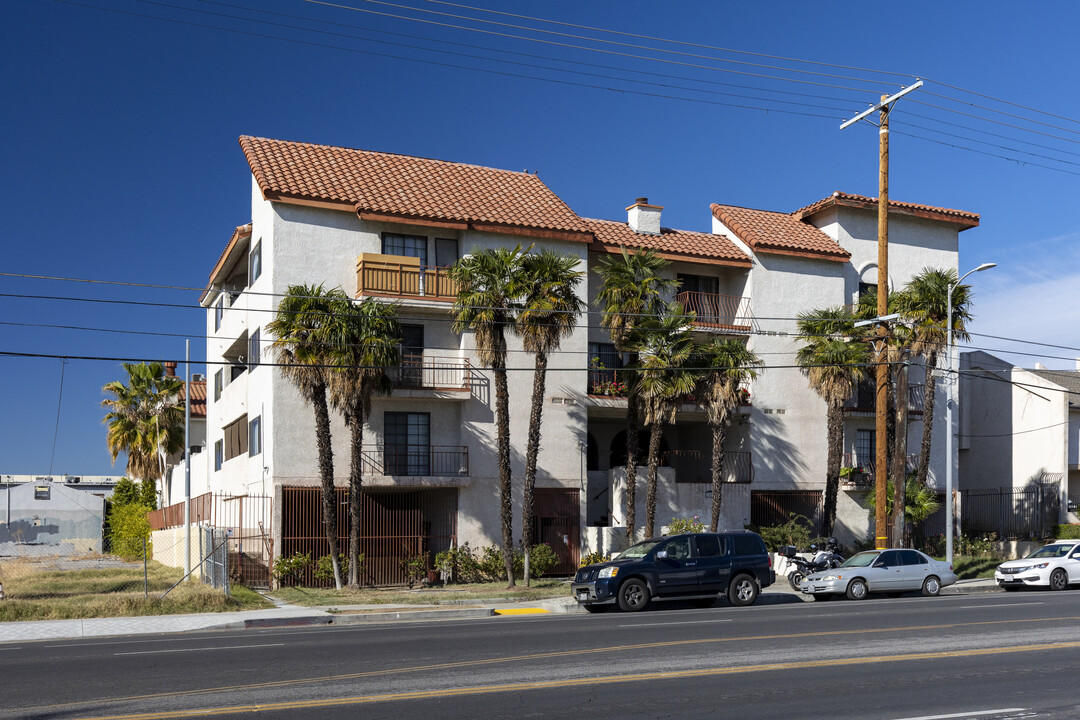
x,y
960,217
779,233
198,398
694,245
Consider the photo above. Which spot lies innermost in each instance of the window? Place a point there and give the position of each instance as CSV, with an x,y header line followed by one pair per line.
x,y
253,351
446,251
864,447
411,373
41,492
219,381
255,436
219,454
219,311
255,263
867,289
236,437
698,284
405,246
708,546
408,443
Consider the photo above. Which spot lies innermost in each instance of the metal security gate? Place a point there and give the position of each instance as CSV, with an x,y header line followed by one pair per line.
x,y
557,521
395,523
773,507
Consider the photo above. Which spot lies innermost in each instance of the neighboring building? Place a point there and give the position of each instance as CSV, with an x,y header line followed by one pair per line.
x,y
1019,428
386,226
100,485
175,473
43,517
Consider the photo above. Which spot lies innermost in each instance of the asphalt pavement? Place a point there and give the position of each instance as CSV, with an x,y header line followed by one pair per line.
x,y
295,615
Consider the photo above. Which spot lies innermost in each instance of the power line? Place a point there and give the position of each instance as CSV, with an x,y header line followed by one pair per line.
x,y
59,401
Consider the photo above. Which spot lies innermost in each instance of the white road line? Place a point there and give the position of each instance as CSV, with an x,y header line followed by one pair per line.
x,y
204,649
665,624
973,713
981,607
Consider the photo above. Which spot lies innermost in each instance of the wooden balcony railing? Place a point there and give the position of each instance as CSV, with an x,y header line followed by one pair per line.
x,y
725,313
695,466
416,461
434,373
404,277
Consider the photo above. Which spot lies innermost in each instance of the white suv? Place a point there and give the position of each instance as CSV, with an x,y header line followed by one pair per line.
x,y
1055,566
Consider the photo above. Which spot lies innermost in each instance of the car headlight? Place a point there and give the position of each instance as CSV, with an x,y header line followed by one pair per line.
x,y
1040,566
834,576
608,572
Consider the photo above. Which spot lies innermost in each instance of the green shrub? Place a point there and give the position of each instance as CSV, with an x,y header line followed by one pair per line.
x,y
126,492
796,531
593,558
289,568
686,525
128,528
414,566
492,566
148,494
541,559
459,564
1067,532
324,568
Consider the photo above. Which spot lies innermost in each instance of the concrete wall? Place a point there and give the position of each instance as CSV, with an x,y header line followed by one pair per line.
x,y
66,522
169,546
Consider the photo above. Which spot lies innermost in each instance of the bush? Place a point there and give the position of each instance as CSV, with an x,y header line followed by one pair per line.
x,y
492,566
1067,532
459,564
128,528
126,492
593,558
414,567
796,531
324,568
541,559
289,568
686,525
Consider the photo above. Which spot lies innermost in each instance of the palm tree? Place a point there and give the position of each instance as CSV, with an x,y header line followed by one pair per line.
x,y
308,337
727,365
490,283
145,418
926,303
663,345
549,311
833,365
372,334
631,288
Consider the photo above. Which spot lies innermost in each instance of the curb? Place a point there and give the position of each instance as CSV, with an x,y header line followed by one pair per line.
x,y
399,615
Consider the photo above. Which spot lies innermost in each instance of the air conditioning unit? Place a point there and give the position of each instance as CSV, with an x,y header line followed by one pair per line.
x,y
198,377
72,479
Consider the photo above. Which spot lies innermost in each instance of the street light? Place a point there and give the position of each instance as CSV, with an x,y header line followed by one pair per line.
x,y
949,402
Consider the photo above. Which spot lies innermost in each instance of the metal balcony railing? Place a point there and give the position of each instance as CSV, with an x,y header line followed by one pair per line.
x,y
865,399
433,373
416,461
862,474
724,313
695,466
403,279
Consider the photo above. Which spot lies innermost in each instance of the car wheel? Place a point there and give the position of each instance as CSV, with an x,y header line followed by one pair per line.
x,y
1059,580
596,608
794,579
931,586
857,590
742,591
633,595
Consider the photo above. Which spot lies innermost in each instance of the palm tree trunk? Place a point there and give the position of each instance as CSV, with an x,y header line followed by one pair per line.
x,y
531,451
899,468
835,433
655,431
326,474
930,391
631,461
356,478
718,432
502,424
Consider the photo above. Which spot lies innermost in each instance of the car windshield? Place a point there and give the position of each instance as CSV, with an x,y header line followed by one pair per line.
x,y
862,559
639,550
1051,551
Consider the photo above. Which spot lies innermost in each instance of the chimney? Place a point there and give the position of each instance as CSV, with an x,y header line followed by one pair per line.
x,y
170,369
644,218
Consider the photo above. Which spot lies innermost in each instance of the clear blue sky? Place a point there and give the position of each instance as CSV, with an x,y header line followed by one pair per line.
x,y
120,159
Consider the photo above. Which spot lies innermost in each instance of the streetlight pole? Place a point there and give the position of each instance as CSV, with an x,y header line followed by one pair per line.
x,y
949,402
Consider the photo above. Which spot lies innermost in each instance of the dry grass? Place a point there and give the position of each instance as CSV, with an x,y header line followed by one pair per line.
x,y
39,590
443,595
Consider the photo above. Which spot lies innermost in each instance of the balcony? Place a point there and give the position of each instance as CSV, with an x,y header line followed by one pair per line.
x,y
402,277
719,313
695,466
862,475
604,382
416,461
432,373
866,402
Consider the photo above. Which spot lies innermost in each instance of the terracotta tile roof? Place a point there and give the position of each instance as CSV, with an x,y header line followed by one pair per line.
x,y
778,233
693,245
242,232
960,217
384,186
198,398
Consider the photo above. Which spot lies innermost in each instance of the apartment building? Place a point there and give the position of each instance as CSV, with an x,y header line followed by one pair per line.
x,y
386,226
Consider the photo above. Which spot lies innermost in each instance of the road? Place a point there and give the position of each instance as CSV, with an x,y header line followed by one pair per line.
x,y
988,656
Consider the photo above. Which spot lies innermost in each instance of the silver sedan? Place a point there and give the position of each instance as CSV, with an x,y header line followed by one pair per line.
x,y
893,571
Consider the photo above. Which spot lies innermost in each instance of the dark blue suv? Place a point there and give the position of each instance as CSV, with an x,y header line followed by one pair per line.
x,y
692,565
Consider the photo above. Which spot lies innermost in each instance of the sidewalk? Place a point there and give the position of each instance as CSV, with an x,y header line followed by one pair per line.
x,y
293,615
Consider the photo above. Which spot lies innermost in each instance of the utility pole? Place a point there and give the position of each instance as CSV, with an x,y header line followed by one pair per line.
x,y
881,426
187,459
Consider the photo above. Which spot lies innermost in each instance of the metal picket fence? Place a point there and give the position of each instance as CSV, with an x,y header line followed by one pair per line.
x,y
1027,512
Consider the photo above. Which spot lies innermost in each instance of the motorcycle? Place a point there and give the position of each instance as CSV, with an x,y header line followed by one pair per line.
x,y
822,560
